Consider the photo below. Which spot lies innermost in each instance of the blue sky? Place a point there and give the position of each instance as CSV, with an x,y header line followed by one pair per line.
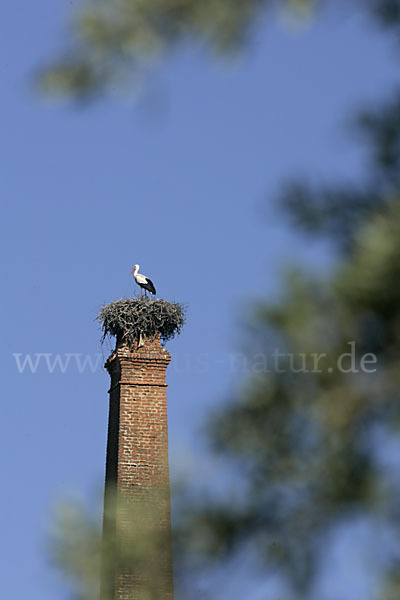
x,y
180,180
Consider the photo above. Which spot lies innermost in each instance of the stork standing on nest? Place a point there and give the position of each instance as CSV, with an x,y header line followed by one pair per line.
x,y
143,282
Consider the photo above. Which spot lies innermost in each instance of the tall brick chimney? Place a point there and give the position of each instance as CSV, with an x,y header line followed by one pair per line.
x,y
137,556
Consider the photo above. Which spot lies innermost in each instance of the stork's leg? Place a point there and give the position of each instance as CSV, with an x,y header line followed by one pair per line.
x,y
141,292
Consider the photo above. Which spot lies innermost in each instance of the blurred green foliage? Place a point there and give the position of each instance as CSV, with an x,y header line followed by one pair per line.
x,y
304,441
308,441
75,548
132,547
114,40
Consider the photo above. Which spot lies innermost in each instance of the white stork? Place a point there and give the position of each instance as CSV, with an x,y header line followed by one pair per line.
x,y
143,282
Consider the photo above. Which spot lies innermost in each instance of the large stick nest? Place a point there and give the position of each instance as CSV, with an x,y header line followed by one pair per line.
x,y
129,318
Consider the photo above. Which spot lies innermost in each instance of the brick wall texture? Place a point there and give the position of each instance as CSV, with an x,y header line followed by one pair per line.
x,y
137,561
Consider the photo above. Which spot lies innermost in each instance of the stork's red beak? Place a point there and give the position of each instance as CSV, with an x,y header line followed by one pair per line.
x,y
132,271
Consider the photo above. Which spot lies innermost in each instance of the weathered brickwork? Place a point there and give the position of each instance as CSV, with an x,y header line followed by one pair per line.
x,y
137,475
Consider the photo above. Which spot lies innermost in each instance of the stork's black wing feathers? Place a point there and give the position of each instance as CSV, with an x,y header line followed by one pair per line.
x,y
149,286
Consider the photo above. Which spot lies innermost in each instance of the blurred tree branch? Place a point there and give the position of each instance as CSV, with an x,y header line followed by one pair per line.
x,y
112,41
